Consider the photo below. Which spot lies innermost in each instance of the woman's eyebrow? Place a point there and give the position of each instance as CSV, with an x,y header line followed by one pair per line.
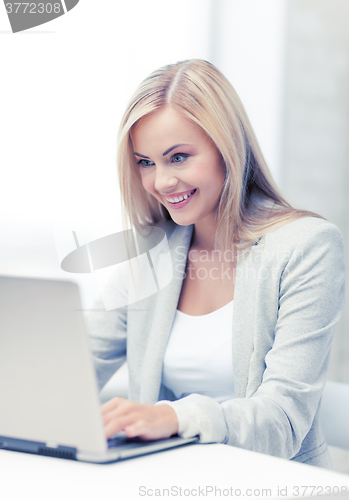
x,y
163,154
142,156
173,147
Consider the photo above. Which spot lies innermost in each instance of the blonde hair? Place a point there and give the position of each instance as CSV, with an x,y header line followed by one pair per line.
x,y
250,204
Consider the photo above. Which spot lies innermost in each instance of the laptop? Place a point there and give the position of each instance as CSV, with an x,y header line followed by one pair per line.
x,y
49,401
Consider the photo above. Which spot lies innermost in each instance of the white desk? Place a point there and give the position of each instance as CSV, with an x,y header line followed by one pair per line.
x,y
26,477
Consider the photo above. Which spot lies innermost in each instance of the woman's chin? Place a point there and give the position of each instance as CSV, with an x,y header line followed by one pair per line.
x,y
180,220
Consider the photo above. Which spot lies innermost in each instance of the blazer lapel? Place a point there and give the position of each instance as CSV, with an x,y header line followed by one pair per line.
x,y
164,312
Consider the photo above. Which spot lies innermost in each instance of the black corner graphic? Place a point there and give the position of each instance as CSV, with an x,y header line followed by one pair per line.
x,y
26,15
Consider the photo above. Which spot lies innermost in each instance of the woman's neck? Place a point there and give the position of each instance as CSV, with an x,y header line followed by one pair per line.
x,y
204,234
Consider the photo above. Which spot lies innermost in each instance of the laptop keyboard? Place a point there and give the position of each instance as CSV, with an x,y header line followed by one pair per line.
x,y
121,439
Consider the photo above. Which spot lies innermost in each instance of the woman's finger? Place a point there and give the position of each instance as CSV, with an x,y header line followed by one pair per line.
x,y
119,410
113,403
118,413
139,428
145,421
118,424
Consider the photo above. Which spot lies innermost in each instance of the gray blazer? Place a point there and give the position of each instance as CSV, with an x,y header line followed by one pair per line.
x,y
288,298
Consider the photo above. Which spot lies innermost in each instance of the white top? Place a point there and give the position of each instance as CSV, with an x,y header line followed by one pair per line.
x,y
198,357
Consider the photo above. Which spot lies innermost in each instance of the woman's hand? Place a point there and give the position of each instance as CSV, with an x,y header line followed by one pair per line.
x,y
145,421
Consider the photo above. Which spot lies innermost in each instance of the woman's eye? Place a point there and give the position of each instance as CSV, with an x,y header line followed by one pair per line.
x,y
145,163
179,157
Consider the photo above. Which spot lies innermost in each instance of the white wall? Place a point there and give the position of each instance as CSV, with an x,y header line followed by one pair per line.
x,y
64,88
65,85
63,95
248,45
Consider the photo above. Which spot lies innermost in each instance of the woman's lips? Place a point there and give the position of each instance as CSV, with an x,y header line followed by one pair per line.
x,y
180,204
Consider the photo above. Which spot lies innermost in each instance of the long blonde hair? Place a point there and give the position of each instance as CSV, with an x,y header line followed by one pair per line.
x,y
250,204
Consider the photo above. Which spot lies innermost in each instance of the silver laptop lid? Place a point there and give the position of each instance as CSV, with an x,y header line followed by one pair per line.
x,y
48,389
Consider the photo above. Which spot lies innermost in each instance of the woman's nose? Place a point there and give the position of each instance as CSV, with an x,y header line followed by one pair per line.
x,y
164,179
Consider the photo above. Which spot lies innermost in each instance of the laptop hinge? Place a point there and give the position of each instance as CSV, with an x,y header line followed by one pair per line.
x,y
46,449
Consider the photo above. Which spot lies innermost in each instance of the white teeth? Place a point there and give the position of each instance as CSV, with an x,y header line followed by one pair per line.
x,y
180,198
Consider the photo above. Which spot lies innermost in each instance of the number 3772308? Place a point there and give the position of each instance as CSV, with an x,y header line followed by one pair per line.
x,y
33,8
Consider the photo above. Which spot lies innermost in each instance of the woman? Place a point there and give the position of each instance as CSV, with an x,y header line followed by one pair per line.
x,y
236,348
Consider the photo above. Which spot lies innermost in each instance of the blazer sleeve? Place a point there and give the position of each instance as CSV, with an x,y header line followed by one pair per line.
x,y
107,331
278,416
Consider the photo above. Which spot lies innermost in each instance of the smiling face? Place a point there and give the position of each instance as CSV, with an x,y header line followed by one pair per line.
x,y
179,165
